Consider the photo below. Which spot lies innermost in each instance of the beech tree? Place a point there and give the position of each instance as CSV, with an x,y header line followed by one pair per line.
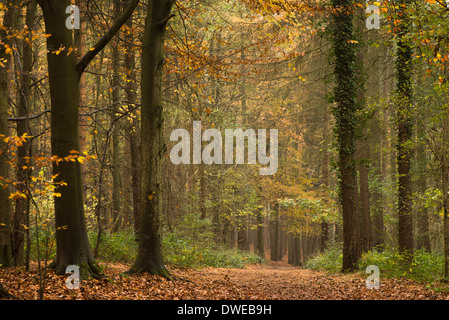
x,y
64,78
149,256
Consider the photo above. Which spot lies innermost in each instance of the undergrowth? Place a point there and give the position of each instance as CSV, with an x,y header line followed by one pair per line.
x,y
178,250
425,266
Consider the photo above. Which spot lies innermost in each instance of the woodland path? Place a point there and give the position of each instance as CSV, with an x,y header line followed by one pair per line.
x,y
272,281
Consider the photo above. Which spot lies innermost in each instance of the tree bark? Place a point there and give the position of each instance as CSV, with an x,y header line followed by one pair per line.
x,y
72,245
275,241
134,125
149,256
345,115
5,206
22,206
364,199
116,148
404,132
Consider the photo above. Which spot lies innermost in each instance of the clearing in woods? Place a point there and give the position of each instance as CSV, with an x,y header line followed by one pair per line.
x,y
272,281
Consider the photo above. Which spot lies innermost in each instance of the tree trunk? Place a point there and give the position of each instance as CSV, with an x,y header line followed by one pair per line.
x,y
134,125
21,215
260,244
404,132
377,203
364,199
149,256
275,234
345,115
72,244
116,148
444,189
423,232
325,174
5,206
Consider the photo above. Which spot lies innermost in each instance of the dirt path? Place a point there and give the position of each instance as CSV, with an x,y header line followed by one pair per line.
x,y
271,281
283,281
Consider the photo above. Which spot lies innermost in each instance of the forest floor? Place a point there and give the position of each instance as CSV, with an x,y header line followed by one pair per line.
x,y
271,281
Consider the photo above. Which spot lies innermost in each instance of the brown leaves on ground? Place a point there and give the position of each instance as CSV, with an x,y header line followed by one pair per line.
x,y
275,281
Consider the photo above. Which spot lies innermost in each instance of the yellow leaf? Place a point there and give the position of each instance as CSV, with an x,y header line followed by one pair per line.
x,y
17,195
150,197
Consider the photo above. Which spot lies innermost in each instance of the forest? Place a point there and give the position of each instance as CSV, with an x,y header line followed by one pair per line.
x,y
219,149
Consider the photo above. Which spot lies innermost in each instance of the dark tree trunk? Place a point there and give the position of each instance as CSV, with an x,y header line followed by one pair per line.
x,y
377,205
275,241
423,232
149,256
134,125
364,200
345,116
116,148
72,244
21,215
260,244
404,132
5,206
325,174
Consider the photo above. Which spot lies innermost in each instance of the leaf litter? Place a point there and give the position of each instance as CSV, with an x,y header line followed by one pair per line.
x,y
272,281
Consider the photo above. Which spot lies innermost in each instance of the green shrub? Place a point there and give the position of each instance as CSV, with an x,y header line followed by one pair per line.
x,y
330,260
47,244
180,251
120,246
425,266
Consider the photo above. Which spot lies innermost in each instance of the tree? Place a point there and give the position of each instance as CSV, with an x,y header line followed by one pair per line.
x,y
5,206
22,205
64,78
404,133
345,93
149,257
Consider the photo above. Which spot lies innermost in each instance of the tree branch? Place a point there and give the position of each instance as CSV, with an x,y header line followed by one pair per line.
x,y
87,58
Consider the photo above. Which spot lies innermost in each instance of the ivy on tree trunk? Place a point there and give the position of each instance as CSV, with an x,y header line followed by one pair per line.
x,y
345,94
